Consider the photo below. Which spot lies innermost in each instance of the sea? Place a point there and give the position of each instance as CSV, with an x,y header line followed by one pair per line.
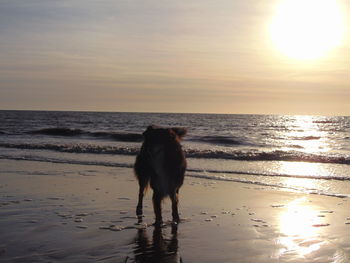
x,y
308,154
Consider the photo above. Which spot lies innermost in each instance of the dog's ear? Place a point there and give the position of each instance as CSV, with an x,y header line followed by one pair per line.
x,y
172,134
148,130
180,132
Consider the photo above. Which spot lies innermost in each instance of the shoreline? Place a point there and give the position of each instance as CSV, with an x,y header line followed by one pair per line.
x,y
65,212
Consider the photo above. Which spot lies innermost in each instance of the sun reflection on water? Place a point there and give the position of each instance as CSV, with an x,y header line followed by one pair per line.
x,y
305,134
298,228
304,175
302,168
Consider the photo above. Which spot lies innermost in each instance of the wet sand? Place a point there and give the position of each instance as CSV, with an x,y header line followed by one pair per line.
x,y
74,213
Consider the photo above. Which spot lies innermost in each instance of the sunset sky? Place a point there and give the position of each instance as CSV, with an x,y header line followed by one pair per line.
x,y
219,56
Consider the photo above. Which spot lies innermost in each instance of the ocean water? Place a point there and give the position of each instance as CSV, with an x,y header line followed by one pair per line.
x,y
310,154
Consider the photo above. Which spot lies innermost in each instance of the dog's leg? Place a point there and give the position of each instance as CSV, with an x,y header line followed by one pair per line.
x,y
139,204
142,172
174,203
157,200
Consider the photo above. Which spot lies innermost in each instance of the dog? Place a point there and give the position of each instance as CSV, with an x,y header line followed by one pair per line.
x,y
161,163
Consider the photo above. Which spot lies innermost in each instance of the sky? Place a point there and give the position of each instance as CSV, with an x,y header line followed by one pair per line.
x,y
166,56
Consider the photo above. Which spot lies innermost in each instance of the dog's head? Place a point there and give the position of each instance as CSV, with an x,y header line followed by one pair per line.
x,y
159,135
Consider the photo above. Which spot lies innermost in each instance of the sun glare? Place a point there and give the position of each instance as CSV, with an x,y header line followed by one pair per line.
x,y
298,228
307,29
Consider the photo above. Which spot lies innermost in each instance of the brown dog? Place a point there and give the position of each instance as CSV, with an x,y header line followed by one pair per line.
x,y
162,164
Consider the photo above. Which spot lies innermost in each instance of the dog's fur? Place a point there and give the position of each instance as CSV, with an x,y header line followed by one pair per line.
x,y
162,164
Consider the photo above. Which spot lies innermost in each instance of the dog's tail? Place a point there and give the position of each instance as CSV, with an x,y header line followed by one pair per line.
x,y
142,172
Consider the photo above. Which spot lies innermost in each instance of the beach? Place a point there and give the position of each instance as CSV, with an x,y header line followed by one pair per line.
x,y
52,212
242,106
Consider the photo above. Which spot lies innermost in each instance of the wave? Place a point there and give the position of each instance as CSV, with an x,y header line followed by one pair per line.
x,y
306,138
248,155
69,132
296,146
65,161
58,132
326,121
211,171
129,137
277,185
276,155
124,137
338,178
203,176
75,148
218,140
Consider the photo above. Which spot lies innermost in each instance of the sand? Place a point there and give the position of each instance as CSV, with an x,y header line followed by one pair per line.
x,y
74,213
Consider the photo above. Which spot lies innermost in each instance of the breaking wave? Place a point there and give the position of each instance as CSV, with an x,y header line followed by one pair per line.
x,y
243,155
219,140
196,173
124,137
74,148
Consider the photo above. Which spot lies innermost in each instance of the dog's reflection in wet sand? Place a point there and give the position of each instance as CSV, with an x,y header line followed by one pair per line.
x,y
159,249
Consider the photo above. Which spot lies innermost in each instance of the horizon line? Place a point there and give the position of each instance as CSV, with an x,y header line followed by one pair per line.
x,y
163,112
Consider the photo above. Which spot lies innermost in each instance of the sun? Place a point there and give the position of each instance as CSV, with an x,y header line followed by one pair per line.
x,y
307,29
